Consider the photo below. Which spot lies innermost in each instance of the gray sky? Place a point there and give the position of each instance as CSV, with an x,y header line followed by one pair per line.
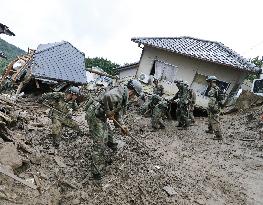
x,y
104,28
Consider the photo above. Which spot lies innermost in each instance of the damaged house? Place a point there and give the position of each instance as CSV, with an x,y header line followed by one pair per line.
x,y
192,60
53,66
128,70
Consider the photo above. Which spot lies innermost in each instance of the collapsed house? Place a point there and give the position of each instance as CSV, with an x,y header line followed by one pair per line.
x,y
192,60
53,66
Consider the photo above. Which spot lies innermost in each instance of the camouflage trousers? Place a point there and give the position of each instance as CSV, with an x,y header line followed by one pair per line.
x,y
57,125
191,114
182,114
157,117
100,135
213,120
146,109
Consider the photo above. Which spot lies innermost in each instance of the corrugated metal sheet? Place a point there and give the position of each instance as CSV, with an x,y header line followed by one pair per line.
x,y
59,61
211,51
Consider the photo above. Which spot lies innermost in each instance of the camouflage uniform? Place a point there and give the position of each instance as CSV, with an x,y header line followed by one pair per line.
x,y
159,112
150,104
158,90
115,100
192,101
214,110
182,111
60,114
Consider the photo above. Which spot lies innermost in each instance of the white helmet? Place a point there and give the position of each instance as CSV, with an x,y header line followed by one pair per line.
x,y
186,83
74,90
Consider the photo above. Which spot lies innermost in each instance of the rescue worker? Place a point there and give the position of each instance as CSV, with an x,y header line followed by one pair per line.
x,y
215,102
182,99
148,107
159,112
192,101
61,111
157,89
111,105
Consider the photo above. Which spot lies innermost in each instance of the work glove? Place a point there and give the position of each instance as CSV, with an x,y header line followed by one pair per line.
x,y
110,115
124,130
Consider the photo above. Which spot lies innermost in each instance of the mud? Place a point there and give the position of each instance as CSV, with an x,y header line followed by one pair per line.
x,y
196,168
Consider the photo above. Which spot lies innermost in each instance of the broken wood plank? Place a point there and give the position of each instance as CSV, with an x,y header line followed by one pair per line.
x,y
37,183
5,172
60,162
247,139
169,190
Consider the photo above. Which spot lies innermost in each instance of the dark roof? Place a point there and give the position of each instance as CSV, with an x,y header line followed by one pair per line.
x,y
128,66
210,51
59,61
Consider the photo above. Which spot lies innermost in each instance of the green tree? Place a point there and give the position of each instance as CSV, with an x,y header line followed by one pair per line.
x,y
104,64
10,51
258,62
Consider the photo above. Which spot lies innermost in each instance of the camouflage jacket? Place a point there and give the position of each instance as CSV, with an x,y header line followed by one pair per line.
x,y
192,96
59,104
154,100
183,95
163,105
214,102
158,90
115,100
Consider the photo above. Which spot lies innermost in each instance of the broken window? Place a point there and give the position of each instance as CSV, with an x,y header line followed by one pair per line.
x,y
199,84
258,86
164,71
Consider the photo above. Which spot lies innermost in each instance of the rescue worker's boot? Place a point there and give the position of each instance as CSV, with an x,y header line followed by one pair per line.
x,y
96,176
112,146
55,140
162,126
209,130
218,136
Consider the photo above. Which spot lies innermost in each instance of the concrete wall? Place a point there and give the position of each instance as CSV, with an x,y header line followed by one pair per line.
x,y
187,68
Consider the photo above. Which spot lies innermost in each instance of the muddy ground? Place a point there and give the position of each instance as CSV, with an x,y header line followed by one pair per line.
x,y
197,169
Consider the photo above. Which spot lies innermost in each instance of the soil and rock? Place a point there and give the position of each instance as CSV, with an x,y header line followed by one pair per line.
x,y
169,166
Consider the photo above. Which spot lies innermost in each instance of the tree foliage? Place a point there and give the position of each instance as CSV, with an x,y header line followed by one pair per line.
x,y
102,63
258,62
10,51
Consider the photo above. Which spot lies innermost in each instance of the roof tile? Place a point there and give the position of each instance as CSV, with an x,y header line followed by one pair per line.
x,y
211,51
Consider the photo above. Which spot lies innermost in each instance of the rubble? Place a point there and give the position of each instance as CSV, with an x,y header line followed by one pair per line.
x,y
170,190
193,168
9,155
53,66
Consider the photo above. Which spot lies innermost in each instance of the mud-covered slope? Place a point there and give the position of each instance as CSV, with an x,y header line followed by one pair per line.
x,y
197,168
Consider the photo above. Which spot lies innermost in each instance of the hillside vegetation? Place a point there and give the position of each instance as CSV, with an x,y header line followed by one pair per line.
x,y
10,51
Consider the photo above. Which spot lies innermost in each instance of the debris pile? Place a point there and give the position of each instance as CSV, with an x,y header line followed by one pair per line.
x,y
170,166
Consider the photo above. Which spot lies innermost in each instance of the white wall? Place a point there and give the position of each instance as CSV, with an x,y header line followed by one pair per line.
x,y
131,72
